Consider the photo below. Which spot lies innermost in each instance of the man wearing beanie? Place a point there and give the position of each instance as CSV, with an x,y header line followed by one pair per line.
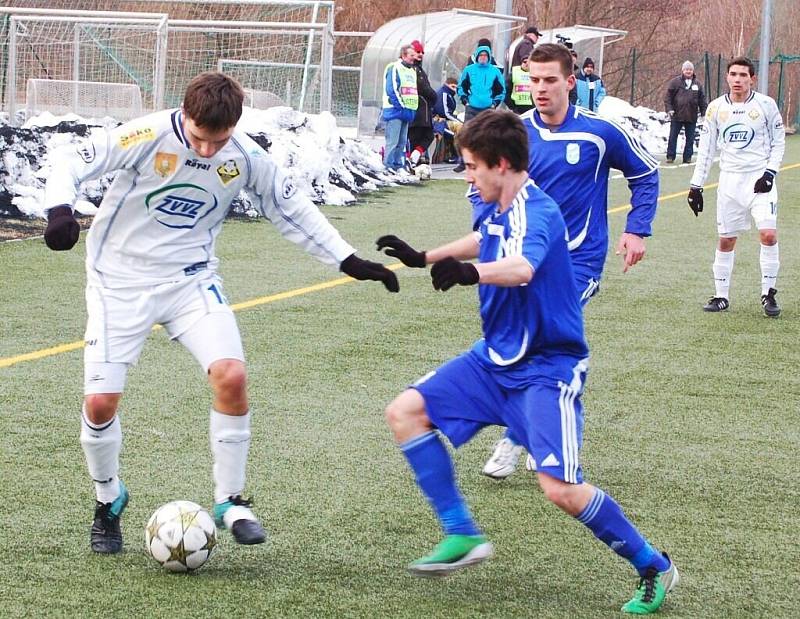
x,y
525,45
589,87
684,100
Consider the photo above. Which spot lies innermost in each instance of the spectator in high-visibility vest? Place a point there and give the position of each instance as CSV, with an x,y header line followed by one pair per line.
x,y
518,89
400,102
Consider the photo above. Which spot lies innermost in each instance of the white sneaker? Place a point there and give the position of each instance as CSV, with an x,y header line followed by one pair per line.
x,y
504,459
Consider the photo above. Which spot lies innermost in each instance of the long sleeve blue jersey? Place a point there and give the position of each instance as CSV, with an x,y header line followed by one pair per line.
x,y
572,166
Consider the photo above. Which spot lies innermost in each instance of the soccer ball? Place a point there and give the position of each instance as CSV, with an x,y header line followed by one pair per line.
x,y
423,171
181,536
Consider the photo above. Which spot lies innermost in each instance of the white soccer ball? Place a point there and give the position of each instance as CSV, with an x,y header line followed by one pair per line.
x,y
181,536
423,171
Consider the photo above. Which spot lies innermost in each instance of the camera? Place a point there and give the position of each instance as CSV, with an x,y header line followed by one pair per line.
x,y
562,40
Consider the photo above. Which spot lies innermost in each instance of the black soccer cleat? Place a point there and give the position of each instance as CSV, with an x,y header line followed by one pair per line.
x,y
716,304
770,305
106,532
235,514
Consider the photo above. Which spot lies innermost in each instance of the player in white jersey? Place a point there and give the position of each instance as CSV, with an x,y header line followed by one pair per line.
x,y
150,260
747,129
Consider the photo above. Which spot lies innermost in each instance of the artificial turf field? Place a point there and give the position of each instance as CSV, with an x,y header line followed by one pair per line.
x,y
692,424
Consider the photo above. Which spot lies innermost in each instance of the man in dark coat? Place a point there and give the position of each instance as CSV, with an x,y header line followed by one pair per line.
x,y
525,46
420,131
684,100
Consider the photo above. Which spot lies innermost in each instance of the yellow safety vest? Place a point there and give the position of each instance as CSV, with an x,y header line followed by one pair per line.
x,y
521,86
408,86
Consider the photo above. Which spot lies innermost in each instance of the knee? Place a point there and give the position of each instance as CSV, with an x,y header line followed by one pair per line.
x,y
558,492
768,237
406,416
228,376
726,244
100,407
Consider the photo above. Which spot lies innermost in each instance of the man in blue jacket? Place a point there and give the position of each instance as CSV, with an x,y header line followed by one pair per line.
x,y
481,86
590,88
400,103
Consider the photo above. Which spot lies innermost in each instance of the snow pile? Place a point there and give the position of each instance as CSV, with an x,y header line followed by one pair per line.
x,y
328,168
649,126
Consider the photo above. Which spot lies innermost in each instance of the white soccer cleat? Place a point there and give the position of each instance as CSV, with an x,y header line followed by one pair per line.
x,y
504,459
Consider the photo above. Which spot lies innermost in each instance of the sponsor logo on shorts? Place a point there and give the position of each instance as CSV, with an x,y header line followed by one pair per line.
x,y
165,164
228,171
181,205
136,136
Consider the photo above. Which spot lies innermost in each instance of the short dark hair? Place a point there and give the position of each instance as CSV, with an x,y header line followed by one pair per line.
x,y
742,61
213,101
496,134
549,52
451,80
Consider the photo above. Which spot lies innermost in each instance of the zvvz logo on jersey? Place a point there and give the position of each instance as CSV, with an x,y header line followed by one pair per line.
x,y
180,206
738,135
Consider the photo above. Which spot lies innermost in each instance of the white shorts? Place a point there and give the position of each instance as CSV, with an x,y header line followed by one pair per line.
x,y
737,203
193,311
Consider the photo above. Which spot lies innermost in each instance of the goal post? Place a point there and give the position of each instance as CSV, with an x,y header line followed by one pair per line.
x,y
81,48
90,99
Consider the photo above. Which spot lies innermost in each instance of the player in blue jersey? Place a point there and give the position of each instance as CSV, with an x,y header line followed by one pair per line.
x,y
571,152
526,372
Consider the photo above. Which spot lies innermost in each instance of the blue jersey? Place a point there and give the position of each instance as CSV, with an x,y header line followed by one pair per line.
x,y
535,330
572,166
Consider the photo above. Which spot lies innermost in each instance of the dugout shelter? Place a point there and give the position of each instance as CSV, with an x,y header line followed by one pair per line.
x,y
449,38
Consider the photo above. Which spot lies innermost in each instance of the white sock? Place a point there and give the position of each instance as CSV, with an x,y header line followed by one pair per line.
x,y
230,443
723,266
101,446
415,156
770,263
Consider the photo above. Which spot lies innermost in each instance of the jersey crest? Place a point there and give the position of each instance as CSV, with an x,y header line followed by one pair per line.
x,y
228,171
573,153
165,164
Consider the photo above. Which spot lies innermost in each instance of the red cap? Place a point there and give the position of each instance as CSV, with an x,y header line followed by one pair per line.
x,y
417,47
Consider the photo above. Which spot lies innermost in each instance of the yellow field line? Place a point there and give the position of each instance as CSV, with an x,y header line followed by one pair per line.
x,y
62,348
625,207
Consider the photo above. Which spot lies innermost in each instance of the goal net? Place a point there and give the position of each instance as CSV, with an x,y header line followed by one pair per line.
x,y
69,48
89,99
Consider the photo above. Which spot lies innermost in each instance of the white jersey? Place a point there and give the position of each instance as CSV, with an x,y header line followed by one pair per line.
x,y
749,135
159,220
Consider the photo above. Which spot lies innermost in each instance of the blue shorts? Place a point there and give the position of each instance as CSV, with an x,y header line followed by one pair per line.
x,y
462,397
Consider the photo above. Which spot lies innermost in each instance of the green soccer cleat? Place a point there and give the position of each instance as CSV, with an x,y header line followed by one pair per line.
x,y
451,554
653,588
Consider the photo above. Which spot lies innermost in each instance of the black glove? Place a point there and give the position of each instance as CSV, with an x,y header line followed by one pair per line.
x,y
464,101
695,200
62,229
357,268
765,183
397,248
449,272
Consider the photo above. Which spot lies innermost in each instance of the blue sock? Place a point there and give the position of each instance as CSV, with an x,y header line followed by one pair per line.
x,y
434,473
511,437
605,519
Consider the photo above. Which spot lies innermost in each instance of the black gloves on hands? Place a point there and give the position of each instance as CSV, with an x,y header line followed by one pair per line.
x,y
695,200
62,229
449,272
357,268
397,248
765,183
